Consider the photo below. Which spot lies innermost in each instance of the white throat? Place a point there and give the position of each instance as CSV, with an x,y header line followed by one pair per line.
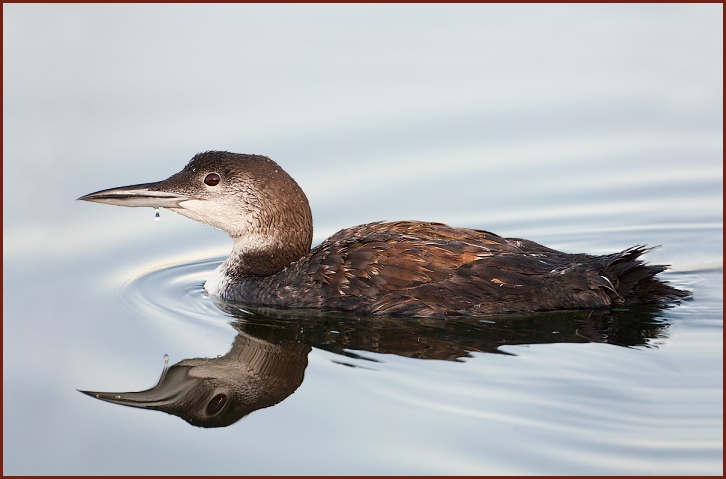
x,y
220,279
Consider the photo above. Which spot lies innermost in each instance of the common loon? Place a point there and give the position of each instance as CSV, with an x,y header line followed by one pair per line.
x,y
409,268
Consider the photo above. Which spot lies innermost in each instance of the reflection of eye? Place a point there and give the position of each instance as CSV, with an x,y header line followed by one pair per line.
x,y
212,179
216,404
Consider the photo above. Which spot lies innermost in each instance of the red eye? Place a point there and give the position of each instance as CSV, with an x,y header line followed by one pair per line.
x,y
212,179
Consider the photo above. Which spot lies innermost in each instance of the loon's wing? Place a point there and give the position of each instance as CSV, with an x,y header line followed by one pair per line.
x,y
432,269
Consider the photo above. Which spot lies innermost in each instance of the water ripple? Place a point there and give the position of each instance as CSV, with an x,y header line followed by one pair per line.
x,y
175,294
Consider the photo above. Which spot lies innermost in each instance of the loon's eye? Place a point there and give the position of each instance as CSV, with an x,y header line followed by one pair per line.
x,y
212,179
216,404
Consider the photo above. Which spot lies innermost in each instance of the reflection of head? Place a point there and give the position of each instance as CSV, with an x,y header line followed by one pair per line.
x,y
218,392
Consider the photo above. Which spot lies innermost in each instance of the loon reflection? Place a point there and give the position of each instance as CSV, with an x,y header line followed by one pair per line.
x,y
267,361
259,371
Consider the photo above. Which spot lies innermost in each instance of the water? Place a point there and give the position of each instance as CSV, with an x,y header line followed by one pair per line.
x,y
584,128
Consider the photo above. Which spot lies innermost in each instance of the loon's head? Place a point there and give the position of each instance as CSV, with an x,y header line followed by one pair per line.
x,y
249,196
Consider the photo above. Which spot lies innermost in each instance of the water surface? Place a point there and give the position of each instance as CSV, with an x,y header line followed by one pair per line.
x,y
584,128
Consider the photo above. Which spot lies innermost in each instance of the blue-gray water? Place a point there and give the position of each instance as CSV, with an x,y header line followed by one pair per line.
x,y
587,128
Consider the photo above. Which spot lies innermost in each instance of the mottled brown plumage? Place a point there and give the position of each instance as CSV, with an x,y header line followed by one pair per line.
x,y
401,268
431,269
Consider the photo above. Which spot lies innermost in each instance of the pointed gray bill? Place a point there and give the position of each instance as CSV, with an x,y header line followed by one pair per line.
x,y
137,195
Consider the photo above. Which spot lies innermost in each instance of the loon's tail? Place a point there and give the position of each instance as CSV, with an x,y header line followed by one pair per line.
x,y
635,281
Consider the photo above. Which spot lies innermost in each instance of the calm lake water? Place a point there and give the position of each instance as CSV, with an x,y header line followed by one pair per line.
x,y
587,128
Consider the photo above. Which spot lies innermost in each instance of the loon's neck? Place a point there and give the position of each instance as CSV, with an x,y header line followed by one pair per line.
x,y
253,257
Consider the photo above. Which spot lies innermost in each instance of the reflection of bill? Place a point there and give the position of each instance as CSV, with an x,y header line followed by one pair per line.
x,y
268,357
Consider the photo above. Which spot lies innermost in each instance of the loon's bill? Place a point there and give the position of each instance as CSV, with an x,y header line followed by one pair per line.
x,y
142,195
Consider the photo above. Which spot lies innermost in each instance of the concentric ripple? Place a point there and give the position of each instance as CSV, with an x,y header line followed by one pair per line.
x,y
175,294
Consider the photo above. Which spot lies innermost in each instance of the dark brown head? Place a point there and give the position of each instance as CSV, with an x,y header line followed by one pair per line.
x,y
249,196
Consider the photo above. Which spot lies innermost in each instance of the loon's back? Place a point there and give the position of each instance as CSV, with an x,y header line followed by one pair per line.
x,y
431,269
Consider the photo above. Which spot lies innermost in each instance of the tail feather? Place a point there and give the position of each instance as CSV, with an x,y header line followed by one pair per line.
x,y
635,281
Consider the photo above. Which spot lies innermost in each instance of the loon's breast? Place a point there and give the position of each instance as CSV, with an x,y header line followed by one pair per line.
x,y
218,282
